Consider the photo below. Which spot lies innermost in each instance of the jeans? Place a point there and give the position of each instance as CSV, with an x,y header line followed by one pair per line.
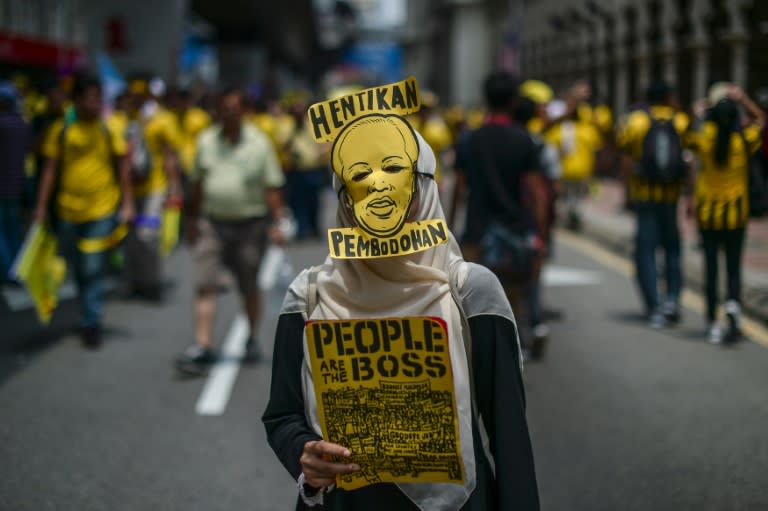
x,y
10,234
732,242
657,226
89,267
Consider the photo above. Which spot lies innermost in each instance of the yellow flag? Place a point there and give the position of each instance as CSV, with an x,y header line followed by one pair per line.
x,y
169,230
41,270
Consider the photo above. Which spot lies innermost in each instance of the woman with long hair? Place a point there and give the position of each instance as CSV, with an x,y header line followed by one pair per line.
x,y
724,145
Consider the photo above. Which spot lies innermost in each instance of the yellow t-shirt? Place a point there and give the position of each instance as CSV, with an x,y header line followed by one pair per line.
x,y
192,123
629,138
535,125
436,133
576,141
88,187
602,117
721,192
285,128
160,131
306,154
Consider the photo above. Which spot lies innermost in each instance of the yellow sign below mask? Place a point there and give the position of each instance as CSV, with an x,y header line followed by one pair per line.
x,y
355,243
328,118
385,391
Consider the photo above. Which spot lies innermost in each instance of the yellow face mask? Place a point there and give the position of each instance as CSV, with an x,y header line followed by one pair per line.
x,y
375,158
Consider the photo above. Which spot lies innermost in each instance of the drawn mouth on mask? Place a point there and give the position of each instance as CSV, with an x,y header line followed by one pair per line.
x,y
382,208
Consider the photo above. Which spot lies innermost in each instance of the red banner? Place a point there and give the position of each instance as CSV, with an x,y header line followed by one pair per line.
x,y
16,49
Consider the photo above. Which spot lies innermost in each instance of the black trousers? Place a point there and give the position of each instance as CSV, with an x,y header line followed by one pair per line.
x,y
732,242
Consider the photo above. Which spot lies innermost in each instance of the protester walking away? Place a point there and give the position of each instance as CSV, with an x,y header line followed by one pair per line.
x,y
506,211
653,138
531,113
395,344
86,176
570,128
236,207
191,120
154,140
14,142
306,175
724,147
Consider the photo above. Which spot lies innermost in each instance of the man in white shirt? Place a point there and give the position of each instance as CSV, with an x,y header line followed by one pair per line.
x,y
236,198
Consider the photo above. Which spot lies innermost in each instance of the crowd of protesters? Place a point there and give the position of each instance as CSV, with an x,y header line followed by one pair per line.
x,y
101,174
87,168
535,151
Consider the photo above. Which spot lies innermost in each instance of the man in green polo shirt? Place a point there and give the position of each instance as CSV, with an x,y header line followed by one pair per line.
x,y
235,199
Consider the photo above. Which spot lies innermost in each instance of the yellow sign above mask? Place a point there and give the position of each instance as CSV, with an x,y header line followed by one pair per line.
x,y
328,118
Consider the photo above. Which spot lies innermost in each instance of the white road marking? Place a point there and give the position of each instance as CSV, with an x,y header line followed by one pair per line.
x,y
560,276
221,379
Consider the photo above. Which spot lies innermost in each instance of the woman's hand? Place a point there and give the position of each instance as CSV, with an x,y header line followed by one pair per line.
x,y
319,471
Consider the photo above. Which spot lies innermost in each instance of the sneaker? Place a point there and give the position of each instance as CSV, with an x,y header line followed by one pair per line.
x,y
195,361
715,333
539,335
657,320
671,312
91,337
733,313
252,353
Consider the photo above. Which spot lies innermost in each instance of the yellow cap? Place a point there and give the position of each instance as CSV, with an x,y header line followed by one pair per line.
x,y
537,91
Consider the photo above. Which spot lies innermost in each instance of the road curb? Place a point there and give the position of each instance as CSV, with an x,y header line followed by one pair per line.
x,y
755,298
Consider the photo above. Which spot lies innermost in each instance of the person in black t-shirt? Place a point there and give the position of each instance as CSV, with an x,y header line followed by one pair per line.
x,y
498,167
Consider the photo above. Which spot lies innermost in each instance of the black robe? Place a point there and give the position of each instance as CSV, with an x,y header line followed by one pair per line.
x,y
500,400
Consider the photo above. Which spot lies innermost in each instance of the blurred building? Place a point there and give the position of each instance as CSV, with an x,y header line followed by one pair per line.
x,y
449,45
41,37
621,45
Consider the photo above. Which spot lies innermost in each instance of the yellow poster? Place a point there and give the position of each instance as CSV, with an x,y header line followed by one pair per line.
x,y
385,391
41,270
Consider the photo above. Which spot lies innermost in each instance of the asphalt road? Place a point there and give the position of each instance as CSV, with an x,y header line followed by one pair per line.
x,y
621,417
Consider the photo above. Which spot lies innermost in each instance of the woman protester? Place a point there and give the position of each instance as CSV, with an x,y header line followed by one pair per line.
x,y
396,378
724,146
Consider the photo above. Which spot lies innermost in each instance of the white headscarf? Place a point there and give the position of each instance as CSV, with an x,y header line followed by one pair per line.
x,y
409,285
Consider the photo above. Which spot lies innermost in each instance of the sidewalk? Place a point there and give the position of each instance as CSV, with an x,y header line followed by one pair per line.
x,y
606,221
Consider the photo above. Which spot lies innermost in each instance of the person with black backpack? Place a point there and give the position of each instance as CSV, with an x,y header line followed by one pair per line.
x,y
652,137
723,200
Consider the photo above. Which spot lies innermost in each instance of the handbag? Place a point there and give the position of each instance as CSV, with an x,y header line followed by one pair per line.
x,y
505,251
